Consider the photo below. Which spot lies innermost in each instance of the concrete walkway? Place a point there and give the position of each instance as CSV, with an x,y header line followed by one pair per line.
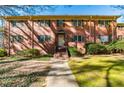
x,y
60,75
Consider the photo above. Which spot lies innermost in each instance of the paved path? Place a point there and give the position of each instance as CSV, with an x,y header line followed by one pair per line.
x,y
60,75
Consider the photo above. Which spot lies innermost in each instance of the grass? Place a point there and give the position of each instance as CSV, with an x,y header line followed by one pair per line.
x,y
99,70
22,79
19,58
73,51
13,74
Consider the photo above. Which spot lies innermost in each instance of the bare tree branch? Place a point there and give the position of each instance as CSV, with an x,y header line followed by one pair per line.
x,y
24,9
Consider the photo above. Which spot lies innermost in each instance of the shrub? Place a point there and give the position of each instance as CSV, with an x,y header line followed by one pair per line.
x,y
2,52
116,47
74,52
96,49
29,52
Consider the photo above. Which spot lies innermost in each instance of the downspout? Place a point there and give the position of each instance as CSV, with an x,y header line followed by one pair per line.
x,y
94,31
108,27
90,26
3,27
9,38
4,34
115,30
32,34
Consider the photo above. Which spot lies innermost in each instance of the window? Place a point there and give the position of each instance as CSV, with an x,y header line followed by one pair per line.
x,y
43,38
60,23
120,27
77,22
78,38
101,22
44,22
104,22
17,23
1,39
107,22
16,38
104,39
120,37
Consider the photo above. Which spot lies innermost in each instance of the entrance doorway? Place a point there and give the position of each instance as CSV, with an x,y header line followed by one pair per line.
x,y
61,42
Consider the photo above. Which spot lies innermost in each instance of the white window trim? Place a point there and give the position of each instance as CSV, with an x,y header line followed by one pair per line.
x,y
77,38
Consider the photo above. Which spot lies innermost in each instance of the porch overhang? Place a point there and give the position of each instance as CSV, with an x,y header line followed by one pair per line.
x,y
63,17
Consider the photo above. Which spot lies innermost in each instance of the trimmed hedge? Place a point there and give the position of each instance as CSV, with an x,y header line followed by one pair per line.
x,y
3,52
29,52
96,49
114,47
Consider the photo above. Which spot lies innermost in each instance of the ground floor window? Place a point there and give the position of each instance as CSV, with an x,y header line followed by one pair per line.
x,y
78,38
43,38
104,39
120,37
16,38
1,39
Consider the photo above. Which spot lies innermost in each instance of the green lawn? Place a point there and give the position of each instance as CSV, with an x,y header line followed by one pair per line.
x,y
23,72
99,70
19,58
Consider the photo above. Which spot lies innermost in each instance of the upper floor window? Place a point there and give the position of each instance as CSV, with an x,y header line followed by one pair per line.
x,y
104,22
44,22
17,23
16,38
60,23
43,38
78,38
77,22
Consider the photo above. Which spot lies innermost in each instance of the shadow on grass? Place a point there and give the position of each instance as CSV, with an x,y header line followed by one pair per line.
x,y
116,63
22,80
23,59
107,69
18,59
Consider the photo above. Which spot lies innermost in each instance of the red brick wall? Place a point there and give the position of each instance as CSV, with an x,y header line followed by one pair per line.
x,y
120,32
30,35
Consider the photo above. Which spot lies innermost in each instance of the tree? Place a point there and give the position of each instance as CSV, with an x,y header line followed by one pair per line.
x,y
17,10
121,7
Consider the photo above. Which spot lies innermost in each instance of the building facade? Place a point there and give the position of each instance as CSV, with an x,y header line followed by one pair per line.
x,y
120,31
49,33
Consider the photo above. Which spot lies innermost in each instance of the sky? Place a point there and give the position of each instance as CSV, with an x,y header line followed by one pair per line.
x,y
86,10
77,10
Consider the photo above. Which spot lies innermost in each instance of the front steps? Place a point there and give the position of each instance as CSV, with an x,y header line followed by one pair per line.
x,y
61,55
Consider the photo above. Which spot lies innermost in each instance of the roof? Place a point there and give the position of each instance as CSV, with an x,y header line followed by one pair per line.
x,y
63,17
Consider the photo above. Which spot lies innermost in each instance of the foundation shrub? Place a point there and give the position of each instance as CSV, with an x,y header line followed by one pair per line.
x,y
74,52
116,47
96,49
29,52
3,52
